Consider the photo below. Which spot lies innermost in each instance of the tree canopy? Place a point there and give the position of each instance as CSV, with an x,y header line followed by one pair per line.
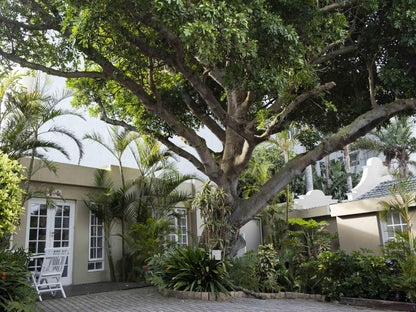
x,y
246,70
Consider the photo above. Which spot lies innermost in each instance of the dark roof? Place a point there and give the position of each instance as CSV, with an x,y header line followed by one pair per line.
x,y
383,189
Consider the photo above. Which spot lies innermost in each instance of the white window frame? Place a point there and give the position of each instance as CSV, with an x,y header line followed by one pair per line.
x,y
390,226
180,234
97,260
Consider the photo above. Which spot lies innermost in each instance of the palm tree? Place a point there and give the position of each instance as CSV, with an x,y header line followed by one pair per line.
x,y
150,156
27,118
120,140
155,190
395,142
403,199
101,204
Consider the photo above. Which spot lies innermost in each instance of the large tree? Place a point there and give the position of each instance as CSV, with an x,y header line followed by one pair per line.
x,y
244,69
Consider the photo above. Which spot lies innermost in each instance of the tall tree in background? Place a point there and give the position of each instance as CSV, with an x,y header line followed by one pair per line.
x,y
244,69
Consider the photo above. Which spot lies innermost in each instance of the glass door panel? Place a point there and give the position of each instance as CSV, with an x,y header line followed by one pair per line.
x,y
50,227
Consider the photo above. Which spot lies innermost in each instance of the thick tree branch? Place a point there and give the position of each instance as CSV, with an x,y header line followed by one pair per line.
x,y
371,81
330,55
281,118
204,91
7,22
247,209
181,152
206,120
338,6
75,74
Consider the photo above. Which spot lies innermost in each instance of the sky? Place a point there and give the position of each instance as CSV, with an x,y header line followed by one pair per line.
x,y
94,154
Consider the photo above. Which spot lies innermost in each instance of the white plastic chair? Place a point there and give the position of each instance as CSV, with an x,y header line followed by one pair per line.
x,y
49,277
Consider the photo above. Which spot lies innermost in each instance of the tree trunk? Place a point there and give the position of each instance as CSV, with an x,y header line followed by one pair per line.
x,y
328,183
357,161
318,169
347,162
109,252
309,178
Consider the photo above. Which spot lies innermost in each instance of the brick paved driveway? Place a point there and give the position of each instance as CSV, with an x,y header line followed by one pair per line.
x,y
149,300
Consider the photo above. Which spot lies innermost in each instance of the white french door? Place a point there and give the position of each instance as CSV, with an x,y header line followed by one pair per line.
x,y
50,225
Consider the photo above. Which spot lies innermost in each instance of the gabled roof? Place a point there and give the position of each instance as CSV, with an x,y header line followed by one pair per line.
x,y
383,189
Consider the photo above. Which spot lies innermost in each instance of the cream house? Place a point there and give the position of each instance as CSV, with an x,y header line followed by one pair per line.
x,y
356,220
60,219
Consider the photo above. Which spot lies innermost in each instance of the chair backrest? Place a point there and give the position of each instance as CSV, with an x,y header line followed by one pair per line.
x,y
54,261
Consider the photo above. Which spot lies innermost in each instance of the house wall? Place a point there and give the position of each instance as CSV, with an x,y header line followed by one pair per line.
x,y
358,224
359,231
80,274
75,183
252,234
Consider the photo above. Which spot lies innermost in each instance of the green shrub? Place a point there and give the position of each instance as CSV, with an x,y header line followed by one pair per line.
x,y
241,271
158,263
190,269
336,274
401,251
10,195
145,241
266,268
16,294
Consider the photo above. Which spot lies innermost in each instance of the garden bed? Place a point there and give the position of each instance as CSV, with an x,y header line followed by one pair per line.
x,y
235,294
379,304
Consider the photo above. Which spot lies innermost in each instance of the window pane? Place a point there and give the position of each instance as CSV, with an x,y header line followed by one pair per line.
x,y
99,253
65,223
33,222
58,222
32,247
33,234
66,211
57,235
65,234
43,211
58,211
396,218
42,222
41,247
42,234
34,210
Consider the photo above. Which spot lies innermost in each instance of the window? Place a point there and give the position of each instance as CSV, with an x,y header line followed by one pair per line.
x,y
96,244
180,221
393,223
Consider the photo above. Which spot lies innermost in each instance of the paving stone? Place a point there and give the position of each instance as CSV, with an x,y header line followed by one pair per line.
x,y
149,300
